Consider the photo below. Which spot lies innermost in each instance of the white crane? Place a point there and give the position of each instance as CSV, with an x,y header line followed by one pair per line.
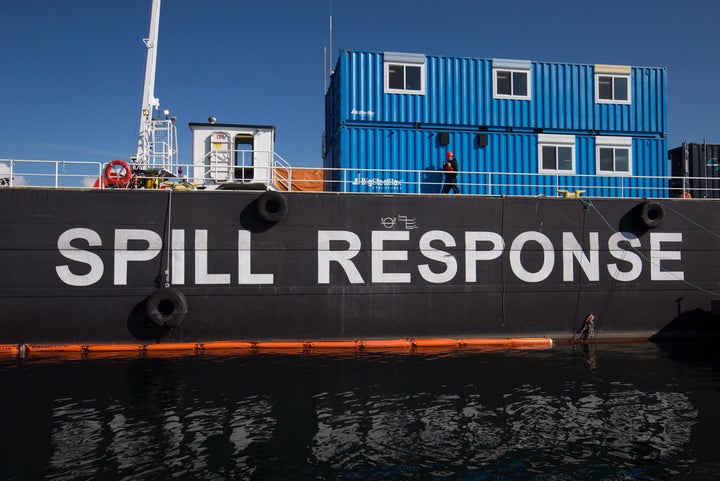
x,y
157,142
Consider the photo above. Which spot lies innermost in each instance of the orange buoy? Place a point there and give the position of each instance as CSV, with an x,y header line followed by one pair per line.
x,y
9,348
384,343
227,345
114,348
334,344
30,348
507,342
436,342
118,173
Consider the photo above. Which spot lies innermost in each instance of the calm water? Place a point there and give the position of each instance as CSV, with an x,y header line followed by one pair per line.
x,y
602,412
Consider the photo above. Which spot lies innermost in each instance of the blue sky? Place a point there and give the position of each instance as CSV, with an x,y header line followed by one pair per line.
x,y
71,71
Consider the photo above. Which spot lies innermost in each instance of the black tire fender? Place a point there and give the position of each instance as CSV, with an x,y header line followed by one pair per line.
x,y
272,206
651,214
167,307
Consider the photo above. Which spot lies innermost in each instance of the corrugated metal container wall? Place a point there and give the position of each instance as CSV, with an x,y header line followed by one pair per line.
x,y
459,92
647,112
394,160
563,97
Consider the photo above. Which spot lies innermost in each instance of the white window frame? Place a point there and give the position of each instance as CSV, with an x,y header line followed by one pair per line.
x,y
527,96
403,60
556,140
614,143
614,76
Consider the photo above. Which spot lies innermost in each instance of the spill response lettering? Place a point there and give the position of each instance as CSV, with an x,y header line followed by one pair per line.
x,y
386,257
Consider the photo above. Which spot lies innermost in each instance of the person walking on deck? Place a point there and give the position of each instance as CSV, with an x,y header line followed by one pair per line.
x,y
450,169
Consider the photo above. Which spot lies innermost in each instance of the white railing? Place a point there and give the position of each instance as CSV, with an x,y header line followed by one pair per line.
x,y
520,184
159,146
282,173
49,173
279,174
228,165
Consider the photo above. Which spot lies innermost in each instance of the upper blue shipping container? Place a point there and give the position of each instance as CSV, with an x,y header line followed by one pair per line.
x,y
392,88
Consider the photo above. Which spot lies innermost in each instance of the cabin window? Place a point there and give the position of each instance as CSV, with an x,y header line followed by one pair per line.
x,y
511,84
612,89
613,155
404,73
556,154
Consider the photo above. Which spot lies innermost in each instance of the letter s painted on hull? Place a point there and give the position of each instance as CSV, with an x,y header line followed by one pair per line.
x,y
75,254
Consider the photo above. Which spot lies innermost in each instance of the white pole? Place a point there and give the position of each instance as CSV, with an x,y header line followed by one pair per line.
x,y
149,102
331,46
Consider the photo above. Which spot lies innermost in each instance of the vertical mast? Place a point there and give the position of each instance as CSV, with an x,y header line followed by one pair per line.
x,y
149,102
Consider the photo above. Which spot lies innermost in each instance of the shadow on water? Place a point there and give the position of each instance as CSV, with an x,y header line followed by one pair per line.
x,y
697,324
632,411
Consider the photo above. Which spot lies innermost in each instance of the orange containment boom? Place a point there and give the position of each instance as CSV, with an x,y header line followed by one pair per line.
x,y
359,345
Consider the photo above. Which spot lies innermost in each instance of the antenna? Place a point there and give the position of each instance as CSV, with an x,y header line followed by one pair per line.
x,y
325,69
331,47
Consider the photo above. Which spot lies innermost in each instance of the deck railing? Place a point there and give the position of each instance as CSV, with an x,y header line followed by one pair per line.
x,y
81,174
49,173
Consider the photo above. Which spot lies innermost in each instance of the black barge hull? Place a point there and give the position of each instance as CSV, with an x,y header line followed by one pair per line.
x,y
118,266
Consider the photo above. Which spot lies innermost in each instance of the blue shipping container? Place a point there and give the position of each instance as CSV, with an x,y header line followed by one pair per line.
x,y
398,160
467,92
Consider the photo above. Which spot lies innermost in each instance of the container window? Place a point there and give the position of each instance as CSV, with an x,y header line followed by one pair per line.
x,y
556,154
402,78
613,89
614,160
511,84
614,155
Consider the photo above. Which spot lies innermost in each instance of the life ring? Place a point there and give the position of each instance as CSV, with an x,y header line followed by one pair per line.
x,y
167,307
651,214
118,173
272,206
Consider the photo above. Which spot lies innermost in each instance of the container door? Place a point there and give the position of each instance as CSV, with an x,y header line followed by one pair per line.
x,y
220,156
244,157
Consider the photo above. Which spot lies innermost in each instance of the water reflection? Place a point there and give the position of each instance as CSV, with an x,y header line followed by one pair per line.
x,y
574,428
597,412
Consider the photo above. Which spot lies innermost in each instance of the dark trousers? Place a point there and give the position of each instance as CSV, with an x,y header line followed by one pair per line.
x,y
450,185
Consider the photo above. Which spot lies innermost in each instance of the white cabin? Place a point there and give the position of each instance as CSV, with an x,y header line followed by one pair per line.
x,y
232,153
